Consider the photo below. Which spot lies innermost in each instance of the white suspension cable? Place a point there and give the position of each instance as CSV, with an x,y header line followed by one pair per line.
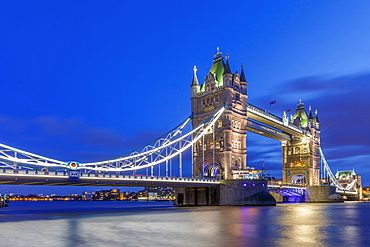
x,y
150,156
332,178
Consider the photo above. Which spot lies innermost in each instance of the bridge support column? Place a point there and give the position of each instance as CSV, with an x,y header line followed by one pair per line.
x,y
197,196
284,198
322,194
248,192
245,192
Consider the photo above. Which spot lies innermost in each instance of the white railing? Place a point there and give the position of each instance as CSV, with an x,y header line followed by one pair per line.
x,y
96,176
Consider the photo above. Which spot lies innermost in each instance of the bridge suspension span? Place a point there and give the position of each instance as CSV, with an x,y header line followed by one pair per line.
x,y
160,151
328,174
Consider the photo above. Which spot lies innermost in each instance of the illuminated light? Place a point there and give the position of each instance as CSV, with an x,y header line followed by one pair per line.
x,y
304,140
73,165
245,185
254,185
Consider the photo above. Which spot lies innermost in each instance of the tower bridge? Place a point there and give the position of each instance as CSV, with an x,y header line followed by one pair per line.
x,y
221,117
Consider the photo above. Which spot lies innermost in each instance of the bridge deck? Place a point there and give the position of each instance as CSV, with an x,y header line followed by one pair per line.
x,y
266,131
24,177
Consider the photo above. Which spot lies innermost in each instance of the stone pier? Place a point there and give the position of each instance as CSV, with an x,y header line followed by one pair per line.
x,y
228,193
312,194
322,194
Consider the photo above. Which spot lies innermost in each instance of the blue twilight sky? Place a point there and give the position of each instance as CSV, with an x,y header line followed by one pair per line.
x,y
91,80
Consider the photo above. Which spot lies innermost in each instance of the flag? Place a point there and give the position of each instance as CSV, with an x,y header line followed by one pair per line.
x,y
273,102
289,110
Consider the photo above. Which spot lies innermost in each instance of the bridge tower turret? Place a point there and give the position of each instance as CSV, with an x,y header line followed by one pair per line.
x,y
223,150
301,159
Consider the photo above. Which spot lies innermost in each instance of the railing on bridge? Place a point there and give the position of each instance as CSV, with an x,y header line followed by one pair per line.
x,y
11,173
285,185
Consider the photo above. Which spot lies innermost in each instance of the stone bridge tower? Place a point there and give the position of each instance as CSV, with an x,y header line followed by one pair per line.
x,y
301,159
223,151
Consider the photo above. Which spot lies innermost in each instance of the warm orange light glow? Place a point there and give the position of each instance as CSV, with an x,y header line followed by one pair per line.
x,y
297,164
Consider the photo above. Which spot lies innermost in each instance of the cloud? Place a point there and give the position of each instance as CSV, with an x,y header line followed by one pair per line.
x,y
44,125
56,126
70,138
11,124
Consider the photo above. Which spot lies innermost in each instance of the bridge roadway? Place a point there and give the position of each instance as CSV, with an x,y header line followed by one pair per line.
x,y
33,177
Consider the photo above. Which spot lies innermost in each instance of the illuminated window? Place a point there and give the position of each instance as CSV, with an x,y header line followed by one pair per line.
x,y
297,164
217,144
210,144
236,144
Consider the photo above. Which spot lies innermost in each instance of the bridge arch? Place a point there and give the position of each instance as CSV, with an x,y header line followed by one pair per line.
x,y
211,169
298,179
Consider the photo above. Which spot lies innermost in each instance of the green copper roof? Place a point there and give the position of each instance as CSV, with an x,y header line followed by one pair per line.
x,y
301,114
340,174
217,69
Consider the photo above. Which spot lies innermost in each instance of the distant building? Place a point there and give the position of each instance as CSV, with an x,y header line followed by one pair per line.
x,y
107,195
156,194
366,193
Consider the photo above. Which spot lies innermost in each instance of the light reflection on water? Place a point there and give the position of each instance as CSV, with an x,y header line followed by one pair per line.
x,y
161,224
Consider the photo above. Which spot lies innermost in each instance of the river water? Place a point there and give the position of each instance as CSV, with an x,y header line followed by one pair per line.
x,y
99,223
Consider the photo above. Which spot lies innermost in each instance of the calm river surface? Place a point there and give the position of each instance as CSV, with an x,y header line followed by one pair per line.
x,y
99,223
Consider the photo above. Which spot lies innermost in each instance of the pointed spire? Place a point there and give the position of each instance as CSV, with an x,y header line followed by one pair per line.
x,y
310,113
317,116
227,69
242,76
218,54
195,78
